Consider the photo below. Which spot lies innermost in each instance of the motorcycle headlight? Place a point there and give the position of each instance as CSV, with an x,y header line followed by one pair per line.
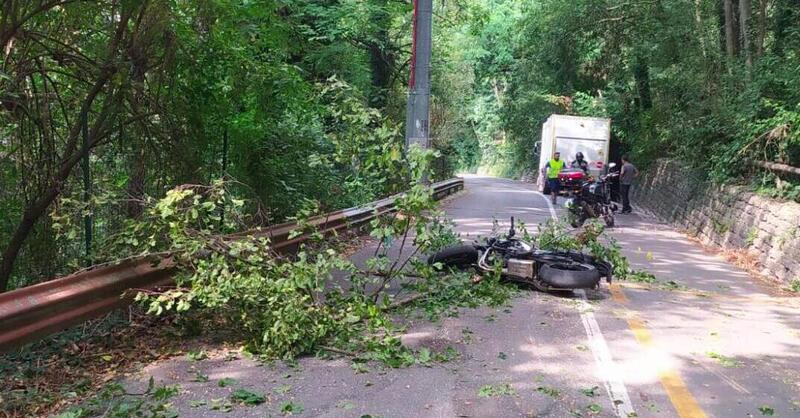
x,y
569,203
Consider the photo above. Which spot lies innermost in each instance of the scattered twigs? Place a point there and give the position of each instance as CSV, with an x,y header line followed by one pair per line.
x,y
337,350
400,303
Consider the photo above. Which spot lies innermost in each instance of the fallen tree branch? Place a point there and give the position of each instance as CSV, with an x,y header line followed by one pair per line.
x,y
398,303
337,350
785,168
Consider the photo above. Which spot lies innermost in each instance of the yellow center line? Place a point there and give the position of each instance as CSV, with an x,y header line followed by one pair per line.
x,y
683,401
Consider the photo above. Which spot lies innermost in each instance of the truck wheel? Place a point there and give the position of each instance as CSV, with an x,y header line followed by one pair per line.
x,y
570,275
460,257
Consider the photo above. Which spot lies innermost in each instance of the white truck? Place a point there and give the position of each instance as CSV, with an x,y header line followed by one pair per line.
x,y
570,135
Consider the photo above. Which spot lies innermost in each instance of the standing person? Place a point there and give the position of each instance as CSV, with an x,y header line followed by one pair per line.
x,y
626,177
614,182
553,167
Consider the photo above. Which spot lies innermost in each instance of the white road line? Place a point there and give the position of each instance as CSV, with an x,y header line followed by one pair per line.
x,y
607,371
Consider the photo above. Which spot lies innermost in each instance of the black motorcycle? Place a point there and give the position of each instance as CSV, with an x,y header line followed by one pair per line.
x,y
520,261
592,200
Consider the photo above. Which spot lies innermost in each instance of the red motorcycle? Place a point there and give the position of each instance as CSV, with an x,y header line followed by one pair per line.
x,y
570,178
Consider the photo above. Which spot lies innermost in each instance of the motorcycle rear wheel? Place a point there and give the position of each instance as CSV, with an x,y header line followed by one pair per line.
x,y
460,257
570,275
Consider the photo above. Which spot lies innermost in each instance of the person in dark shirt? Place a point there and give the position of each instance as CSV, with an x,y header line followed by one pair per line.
x,y
626,176
580,163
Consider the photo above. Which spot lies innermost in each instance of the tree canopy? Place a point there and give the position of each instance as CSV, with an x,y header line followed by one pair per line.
x,y
109,103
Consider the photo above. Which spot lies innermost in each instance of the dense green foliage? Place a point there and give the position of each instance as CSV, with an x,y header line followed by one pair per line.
x,y
301,100
294,100
662,70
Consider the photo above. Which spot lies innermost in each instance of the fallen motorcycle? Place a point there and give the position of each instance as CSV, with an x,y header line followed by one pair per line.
x,y
520,261
592,200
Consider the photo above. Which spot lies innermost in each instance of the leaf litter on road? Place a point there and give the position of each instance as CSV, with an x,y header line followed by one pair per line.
x,y
291,408
283,389
196,355
226,381
247,397
200,377
724,361
492,391
766,410
590,392
345,405
549,391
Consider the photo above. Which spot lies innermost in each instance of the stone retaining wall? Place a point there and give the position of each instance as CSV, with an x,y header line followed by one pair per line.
x,y
726,216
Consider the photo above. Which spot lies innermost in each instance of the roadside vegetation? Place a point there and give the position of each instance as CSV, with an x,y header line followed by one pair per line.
x,y
238,293
296,100
106,102
712,83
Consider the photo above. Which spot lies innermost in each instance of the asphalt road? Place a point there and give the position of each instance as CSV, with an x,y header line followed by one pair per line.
x,y
712,343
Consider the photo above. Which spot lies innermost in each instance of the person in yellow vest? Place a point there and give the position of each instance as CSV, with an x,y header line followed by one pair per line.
x,y
553,167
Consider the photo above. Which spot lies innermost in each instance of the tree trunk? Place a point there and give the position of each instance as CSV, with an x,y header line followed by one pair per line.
x,y
38,207
641,74
698,20
380,56
761,31
745,11
135,189
73,153
730,30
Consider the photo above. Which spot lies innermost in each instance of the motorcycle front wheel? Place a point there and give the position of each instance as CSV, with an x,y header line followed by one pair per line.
x,y
576,220
460,257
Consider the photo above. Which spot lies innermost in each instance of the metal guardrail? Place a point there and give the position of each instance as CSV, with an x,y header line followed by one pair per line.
x,y
36,311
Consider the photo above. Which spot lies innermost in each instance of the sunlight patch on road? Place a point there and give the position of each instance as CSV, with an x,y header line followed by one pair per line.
x,y
684,402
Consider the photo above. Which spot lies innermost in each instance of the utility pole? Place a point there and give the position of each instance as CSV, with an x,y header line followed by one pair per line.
x,y
419,84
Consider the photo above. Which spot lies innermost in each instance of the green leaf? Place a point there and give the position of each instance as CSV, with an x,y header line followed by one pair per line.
x,y
283,389
424,356
200,377
594,408
163,393
725,361
549,391
247,397
196,355
291,408
504,389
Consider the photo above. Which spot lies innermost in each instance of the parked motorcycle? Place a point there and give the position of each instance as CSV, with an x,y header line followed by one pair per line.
x,y
520,261
570,179
592,200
